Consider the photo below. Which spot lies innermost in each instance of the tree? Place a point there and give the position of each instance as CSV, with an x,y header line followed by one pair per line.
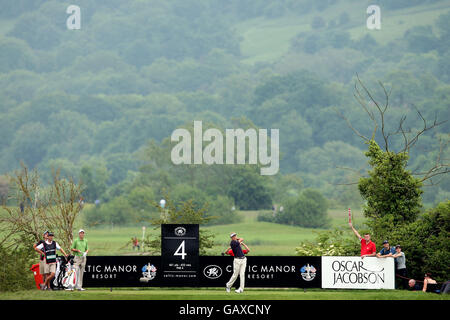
x,y
185,212
25,218
408,136
4,189
63,208
94,180
248,189
220,211
30,143
421,39
35,209
38,30
17,55
318,23
392,192
39,208
183,192
425,242
308,210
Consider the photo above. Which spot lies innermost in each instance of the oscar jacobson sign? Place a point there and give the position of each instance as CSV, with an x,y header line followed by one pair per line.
x,y
357,273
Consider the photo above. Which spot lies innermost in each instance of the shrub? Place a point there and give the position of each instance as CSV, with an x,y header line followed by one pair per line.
x,y
15,272
329,243
266,216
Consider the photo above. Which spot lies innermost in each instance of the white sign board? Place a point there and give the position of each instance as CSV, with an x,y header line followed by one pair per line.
x,y
357,273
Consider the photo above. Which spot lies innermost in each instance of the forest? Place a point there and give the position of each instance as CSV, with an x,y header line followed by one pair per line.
x,y
101,102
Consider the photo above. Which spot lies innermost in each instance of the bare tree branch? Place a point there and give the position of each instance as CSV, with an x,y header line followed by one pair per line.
x,y
351,127
362,94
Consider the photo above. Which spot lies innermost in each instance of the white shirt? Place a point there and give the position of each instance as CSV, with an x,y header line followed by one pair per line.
x,y
41,246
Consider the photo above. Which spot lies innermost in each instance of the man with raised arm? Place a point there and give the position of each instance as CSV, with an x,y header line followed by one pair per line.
x,y
368,248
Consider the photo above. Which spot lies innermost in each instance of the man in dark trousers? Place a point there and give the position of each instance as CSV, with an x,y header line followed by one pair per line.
x,y
239,263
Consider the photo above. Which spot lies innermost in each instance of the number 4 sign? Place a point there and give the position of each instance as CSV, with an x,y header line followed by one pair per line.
x,y
179,252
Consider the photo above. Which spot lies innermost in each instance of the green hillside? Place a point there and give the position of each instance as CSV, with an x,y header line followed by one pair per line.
x,y
267,40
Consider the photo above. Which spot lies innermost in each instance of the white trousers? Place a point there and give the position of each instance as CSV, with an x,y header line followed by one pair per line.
x,y
239,266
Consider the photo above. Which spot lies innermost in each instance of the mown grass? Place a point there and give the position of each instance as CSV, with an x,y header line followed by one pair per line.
x,y
220,294
263,238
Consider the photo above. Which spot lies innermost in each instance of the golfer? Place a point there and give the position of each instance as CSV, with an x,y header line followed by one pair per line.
x,y
230,252
239,263
80,250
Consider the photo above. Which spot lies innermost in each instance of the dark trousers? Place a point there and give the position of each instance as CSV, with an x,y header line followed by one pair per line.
x,y
401,279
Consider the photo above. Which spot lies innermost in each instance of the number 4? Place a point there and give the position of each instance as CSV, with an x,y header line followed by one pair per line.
x,y
182,249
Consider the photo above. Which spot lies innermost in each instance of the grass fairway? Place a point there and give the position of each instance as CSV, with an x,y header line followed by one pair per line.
x,y
263,238
220,294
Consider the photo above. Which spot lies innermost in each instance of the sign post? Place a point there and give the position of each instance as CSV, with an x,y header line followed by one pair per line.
x,y
349,216
180,252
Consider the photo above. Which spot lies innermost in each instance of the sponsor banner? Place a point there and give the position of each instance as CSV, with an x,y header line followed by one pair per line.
x,y
179,253
263,271
123,271
147,271
357,273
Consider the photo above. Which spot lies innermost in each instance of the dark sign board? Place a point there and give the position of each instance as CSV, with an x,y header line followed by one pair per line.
x,y
212,271
179,253
263,271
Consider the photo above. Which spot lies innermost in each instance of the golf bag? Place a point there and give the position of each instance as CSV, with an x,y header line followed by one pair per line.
x,y
56,284
66,275
69,281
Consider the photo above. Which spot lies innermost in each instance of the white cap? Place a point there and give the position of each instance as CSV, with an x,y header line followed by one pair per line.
x,y
81,230
232,235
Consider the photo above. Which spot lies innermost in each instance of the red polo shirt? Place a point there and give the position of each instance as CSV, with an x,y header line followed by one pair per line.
x,y
367,248
230,252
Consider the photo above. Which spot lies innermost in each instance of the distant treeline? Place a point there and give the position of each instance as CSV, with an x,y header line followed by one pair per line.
x,y
90,100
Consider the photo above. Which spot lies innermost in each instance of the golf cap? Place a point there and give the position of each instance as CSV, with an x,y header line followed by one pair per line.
x,y
46,231
232,235
50,234
398,246
385,241
81,230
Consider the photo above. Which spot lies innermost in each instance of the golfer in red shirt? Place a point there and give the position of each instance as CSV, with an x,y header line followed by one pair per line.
x,y
368,248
